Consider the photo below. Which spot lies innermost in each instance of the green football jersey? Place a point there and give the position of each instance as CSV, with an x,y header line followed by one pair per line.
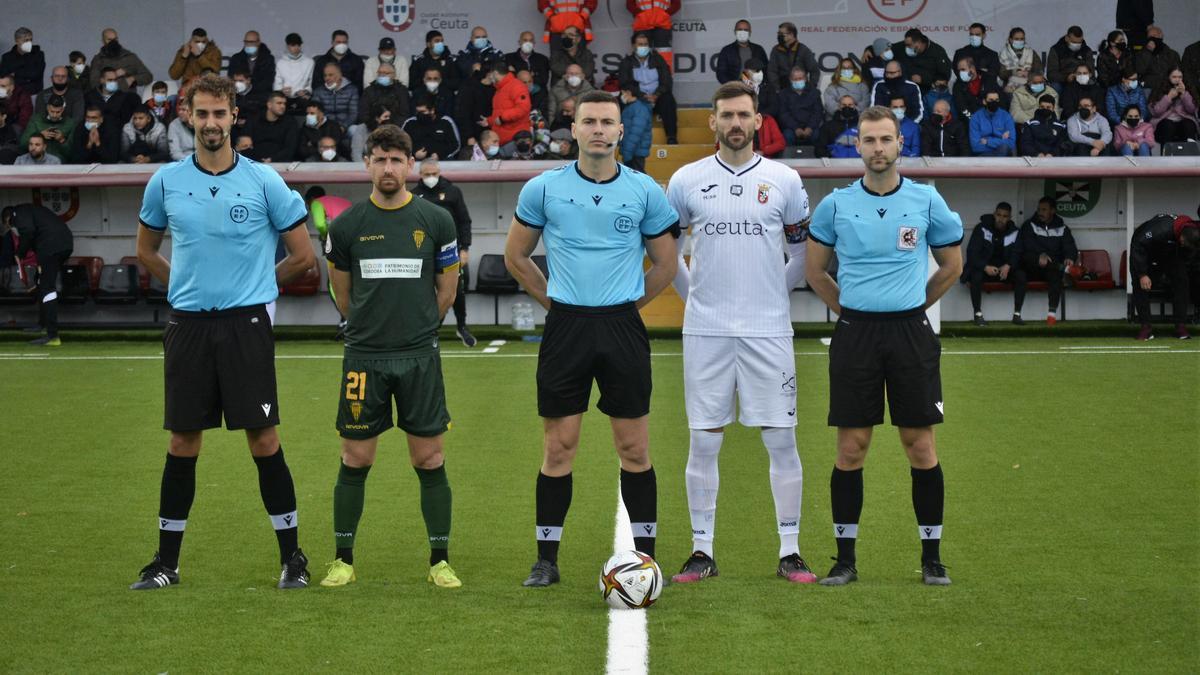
x,y
393,256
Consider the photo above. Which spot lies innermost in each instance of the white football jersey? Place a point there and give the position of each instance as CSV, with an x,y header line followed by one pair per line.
x,y
737,217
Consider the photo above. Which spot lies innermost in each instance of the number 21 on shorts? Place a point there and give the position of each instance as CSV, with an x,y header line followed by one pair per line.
x,y
356,385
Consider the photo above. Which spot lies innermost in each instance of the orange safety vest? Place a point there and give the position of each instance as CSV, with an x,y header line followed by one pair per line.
x,y
562,14
652,14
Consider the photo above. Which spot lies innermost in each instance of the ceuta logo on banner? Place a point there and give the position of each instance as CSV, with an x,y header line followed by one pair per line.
x,y
1074,198
897,11
64,202
397,15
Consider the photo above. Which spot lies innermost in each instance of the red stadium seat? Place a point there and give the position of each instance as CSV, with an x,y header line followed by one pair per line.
x,y
143,273
308,283
1098,263
1124,272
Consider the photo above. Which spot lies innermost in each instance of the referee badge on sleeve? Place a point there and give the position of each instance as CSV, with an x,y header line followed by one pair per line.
x,y
906,238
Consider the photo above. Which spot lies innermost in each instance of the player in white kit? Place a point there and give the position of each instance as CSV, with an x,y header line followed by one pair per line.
x,y
745,213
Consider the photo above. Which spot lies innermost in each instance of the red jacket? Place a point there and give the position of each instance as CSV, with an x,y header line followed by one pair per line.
x,y
769,139
510,108
652,14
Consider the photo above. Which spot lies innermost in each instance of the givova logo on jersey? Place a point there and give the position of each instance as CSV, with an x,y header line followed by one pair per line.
x,y
396,15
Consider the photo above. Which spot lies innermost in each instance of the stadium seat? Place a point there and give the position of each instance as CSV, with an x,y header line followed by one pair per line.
x,y
156,293
142,272
13,290
1185,148
118,285
492,278
76,287
1098,263
308,283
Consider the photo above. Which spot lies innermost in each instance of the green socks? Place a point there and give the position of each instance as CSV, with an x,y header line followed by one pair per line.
x,y
348,495
435,507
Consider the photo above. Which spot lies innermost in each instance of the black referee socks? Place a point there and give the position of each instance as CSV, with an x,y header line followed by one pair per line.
x,y
553,498
279,496
846,493
929,499
639,491
174,502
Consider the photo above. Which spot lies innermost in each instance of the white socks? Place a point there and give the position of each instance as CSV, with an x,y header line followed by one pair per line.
x,y
787,485
703,482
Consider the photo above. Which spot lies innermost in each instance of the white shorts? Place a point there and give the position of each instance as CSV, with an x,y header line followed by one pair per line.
x,y
761,371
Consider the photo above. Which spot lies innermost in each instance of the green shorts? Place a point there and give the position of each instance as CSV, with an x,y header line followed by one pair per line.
x,y
369,386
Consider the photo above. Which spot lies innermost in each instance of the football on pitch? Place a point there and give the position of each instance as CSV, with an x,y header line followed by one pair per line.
x,y
630,580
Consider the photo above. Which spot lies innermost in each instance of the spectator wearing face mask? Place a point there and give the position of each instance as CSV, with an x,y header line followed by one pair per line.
x,y
1044,135
847,81
521,147
197,55
1088,131
1083,85
294,74
971,88
117,105
96,140
25,61
1173,110
839,136
894,85
1156,60
1134,135
317,126
436,56
733,57
1018,61
16,102
143,127
754,77
434,188
434,84
256,59
1066,56
940,91
525,58
923,60
993,133
328,150
387,54
387,92
486,147
54,126
788,53
942,135
338,96
568,87
79,74
181,135
350,64
60,86
986,60
1125,93
130,70
1113,58
800,112
161,105
644,72
874,59
572,49
473,103
478,53
433,135
1026,99
910,133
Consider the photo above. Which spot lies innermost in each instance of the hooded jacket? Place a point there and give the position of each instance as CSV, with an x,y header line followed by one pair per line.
x,y
986,241
154,135
1157,238
510,108
1054,239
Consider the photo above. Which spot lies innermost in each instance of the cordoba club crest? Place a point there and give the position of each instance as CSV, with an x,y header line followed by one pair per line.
x,y
397,15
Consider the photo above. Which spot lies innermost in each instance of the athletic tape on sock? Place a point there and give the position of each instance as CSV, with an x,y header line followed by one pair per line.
x,y
644,529
284,521
845,530
930,531
549,533
171,525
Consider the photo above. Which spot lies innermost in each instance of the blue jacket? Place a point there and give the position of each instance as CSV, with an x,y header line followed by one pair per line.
x,y
800,109
912,138
992,125
1118,97
638,122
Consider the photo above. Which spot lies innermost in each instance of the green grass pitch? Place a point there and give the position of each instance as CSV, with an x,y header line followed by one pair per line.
x,y
1072,473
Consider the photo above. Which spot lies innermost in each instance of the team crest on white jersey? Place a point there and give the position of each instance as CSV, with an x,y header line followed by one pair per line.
x,y
763,193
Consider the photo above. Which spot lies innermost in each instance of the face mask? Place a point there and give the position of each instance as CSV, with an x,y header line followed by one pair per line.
x,y
555,147
798,85
910,52
432,87
113,48
332,86
887,55
898,112
847,73
757,77
976,40
1037,88
1074,46
1083,79
992,106
526,47
782,40
480,43
295,57
328,154
1132,85
387,59
523,146
848,113
3,92
741,35
1043,114
384,81
160,98
430,181
240,87
341,48
941,119
1133,121
643,52
1018,45
964,75
1084,113
1121,46
567,42
438,48
27,46
111,87
574,81
200,46
90,125
251,50
310,119
491,152
78,67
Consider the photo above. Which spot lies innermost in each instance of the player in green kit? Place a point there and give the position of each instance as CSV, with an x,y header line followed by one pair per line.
x,y
393,264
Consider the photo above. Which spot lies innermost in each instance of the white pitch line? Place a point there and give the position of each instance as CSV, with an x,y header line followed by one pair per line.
x,y
628,641
1118,347
497,343
490,350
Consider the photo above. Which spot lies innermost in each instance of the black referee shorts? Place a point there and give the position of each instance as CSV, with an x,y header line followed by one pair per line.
x,y
220,363
876,351
607,344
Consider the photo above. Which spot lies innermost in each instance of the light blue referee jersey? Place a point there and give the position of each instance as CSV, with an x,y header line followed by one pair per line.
x,y
593,231
883,241
224,230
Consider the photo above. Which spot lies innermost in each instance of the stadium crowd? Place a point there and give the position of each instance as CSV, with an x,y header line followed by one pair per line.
x,y
1133,94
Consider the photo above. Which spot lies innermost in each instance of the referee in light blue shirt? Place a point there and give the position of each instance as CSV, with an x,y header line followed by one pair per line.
x,y
883,229
596,218
225,214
